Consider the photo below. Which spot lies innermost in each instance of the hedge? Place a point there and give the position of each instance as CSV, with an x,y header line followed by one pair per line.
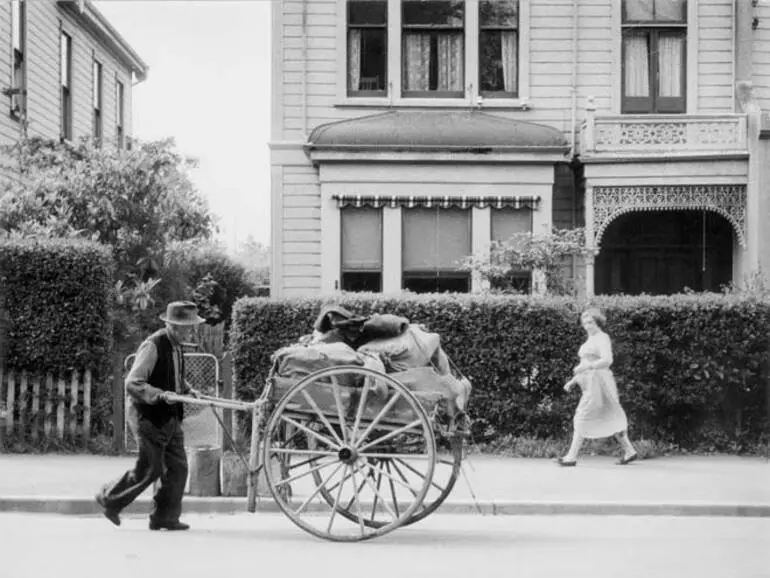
x,y
691,369
56,294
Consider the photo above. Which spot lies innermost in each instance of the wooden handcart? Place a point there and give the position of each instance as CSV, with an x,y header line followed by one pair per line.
x,y
349,453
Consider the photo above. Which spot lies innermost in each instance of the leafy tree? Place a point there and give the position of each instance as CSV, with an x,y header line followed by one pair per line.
x,y
137,201
547,253
255,258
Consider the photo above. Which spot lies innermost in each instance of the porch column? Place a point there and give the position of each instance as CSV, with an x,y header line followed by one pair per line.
x,y
391,249
331,245
481,237
542,224
589,217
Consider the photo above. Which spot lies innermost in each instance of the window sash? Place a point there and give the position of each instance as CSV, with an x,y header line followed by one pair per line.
x,y
654,102
657,11
356,85
361,239
434,240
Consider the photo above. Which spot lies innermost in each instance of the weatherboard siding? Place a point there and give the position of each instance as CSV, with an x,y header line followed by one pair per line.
x,y
45,19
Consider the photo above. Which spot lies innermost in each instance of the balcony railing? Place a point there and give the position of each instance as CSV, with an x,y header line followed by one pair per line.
x,y
658,135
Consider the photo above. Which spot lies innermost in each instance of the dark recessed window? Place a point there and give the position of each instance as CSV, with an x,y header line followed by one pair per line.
x,y
367,47
65,70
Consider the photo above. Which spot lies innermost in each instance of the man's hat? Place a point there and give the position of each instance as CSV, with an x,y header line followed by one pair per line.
x,y
182,313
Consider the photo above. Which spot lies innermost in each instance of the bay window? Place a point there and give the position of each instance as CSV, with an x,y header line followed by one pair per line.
x,y
367,46
654,56
361,249
434,240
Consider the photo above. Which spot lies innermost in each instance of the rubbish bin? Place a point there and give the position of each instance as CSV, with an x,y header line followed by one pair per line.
x,y
203,466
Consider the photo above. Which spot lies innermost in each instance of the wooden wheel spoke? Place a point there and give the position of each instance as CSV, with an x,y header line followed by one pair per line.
x,y
303,474
307,430
319,487
358,491
391,402
308,461
383,500
359,511
293,452
403,482
321,416
377,493
392,434
340,410
386,456
336,504
392,488
360,409
410,468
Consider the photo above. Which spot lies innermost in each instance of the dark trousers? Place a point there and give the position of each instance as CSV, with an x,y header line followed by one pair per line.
x,y
161,455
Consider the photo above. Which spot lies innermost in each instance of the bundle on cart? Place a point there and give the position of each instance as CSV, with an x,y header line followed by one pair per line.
x,y
389,344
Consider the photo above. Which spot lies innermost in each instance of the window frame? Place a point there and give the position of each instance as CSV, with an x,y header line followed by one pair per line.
x,y
654,104
437,274
431,28
348,27
369,271
65,91
120,112
97,100
497,93
18,81
471,96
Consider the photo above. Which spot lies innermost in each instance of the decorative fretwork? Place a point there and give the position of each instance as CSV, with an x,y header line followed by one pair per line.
x,y
443,202
659,133
728,200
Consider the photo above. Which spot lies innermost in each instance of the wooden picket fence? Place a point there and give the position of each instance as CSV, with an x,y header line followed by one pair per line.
x,y
46,405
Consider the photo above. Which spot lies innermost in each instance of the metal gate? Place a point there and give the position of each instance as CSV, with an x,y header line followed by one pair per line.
x,y
200,426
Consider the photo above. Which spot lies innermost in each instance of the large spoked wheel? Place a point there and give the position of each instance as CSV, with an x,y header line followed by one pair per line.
x,y
346,436
447,470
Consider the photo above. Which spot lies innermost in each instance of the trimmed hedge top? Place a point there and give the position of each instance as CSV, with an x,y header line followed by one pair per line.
x,y
57,299
687,366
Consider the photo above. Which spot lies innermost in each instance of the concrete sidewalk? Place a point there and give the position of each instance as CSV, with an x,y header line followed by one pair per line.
x,y
680,485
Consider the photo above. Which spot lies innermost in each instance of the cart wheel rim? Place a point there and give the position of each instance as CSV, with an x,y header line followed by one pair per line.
x,y
342,435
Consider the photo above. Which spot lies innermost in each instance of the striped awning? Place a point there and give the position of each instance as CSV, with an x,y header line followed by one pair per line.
x,y
442,202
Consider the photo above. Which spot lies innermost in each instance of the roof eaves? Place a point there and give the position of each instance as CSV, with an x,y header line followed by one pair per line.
x,y
96,19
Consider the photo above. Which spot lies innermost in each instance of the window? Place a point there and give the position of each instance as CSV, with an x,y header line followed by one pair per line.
x,y
361,249
367,47
499,48
654,56
119,113
433,48
65,69
434,241
97,100
506,223
18,43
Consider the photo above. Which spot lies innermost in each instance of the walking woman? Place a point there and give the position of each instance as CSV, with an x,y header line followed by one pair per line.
x,y
599,413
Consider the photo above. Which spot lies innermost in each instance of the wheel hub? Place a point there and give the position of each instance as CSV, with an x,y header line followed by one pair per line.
x,y
347,455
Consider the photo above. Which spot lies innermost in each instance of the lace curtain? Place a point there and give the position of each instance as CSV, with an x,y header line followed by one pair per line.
x,y
450,60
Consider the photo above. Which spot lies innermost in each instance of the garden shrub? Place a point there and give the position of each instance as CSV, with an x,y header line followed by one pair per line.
x,y
57,297
691,369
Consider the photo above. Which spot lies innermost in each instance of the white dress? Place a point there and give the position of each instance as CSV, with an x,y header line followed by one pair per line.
x,y
599,413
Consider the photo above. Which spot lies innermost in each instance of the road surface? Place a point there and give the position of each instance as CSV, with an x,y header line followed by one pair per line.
x,y
465,546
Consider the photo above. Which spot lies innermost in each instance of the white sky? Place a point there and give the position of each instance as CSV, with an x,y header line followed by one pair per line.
x,y
208,87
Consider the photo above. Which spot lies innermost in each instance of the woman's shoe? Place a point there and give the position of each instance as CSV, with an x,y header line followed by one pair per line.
x,y
566,463
628,460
